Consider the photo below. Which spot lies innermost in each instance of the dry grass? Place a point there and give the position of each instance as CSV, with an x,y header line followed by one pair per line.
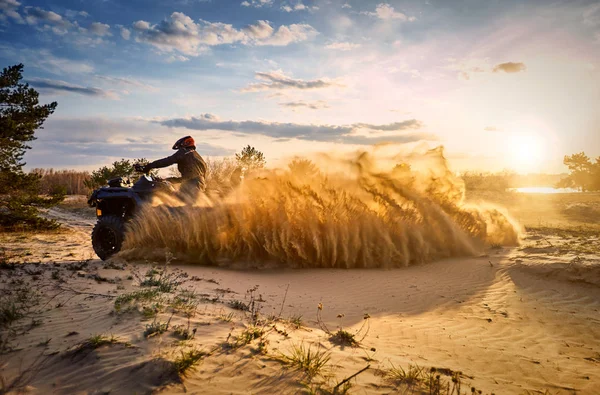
x,y
304,358
70,181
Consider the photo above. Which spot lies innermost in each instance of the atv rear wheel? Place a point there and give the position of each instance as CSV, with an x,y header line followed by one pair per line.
x,y
107,236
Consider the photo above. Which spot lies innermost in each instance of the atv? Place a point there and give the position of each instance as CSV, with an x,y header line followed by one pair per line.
x,y
116,204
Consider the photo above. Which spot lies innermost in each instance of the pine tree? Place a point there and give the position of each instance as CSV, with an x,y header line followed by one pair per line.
x,y
250,159
20,116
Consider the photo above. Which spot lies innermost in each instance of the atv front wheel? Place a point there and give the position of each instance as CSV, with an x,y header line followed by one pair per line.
x,y
107,236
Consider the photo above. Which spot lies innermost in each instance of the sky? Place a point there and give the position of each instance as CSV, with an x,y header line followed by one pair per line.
x,y
501,84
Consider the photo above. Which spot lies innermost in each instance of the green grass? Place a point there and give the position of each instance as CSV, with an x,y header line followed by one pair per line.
x,y
296,320
100,340
16,304
188,359
248,335
434,381
156,328
304,358
344,338
143,295
183,332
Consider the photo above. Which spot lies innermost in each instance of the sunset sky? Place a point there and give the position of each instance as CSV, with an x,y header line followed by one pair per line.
x,y
501,84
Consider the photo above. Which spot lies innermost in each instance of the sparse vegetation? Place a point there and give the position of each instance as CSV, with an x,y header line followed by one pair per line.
x,y
16,304
238,305
139,296
188,359
435,381
156,328
296,320
304,358
343,337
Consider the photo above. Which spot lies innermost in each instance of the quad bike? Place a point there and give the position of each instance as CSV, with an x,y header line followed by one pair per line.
x,y
116,204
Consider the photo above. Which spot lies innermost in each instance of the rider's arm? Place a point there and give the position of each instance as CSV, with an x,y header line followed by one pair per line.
x,y
168,161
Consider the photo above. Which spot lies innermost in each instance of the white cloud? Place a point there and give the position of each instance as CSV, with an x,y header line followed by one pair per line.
x,y
277,80
74,14
8,9
123,82
387,12
125,33
300,104
346,5
45,60
256,3
179,32
177,58
37,15
298,7
404,132
343,46
591,15
58,87
289,34
100,29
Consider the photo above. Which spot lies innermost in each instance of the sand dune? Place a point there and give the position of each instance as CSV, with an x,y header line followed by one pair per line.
x,y
511,321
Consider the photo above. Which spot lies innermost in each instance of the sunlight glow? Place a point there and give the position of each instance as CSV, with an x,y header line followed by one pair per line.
x,y
527,148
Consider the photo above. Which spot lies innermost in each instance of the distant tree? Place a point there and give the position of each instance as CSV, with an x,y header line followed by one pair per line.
x,y
20,116
250,159
121,168
583,173
303,168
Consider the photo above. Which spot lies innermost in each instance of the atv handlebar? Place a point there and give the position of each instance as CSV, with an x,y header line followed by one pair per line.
x,y
140,168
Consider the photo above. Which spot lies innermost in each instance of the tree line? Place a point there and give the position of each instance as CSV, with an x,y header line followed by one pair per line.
x,y
584,174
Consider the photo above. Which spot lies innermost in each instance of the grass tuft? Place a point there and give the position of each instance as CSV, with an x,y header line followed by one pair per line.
x,y
304,358
188,359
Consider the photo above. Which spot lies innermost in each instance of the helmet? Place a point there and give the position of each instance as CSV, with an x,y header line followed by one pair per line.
x,y
185,142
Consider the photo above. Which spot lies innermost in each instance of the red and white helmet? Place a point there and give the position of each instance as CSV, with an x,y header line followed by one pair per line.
x,y
185,142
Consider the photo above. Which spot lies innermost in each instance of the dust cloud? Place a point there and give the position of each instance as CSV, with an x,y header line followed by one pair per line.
x,y
349,212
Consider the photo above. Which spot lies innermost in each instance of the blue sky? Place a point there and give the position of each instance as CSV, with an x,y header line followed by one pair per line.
x,y
501,84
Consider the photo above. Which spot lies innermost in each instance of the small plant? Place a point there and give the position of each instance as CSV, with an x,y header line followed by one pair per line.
x,y
430,382
343,337
188,359
156,328
16,304
99,341
238,305
183,332
248,335
226,317
185,302
311,362
296,320
162,279
410,377
143,295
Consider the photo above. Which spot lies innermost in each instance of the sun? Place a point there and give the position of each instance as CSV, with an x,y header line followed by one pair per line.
x,y
526,151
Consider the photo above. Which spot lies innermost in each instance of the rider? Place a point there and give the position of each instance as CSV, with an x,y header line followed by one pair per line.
x,y
189,163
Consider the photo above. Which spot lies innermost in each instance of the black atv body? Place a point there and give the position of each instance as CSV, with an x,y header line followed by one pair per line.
x,y
115,205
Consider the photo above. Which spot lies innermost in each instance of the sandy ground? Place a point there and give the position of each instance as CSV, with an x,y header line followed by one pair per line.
x,y
511,321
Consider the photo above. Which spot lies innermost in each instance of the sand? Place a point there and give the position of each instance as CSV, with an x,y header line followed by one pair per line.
x,y
512,320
